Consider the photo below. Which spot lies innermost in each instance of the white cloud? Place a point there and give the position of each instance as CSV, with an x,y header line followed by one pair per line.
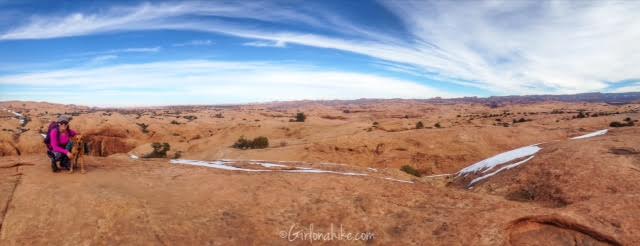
x,y
508,47
124,50
277,44
102,59
556,46
194,43
149,16
136,50
221,81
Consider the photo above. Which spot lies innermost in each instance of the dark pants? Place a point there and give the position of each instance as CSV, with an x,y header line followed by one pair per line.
x,y
60,157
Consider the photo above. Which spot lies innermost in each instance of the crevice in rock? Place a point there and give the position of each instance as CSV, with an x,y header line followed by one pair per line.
x,y
5,209
562,230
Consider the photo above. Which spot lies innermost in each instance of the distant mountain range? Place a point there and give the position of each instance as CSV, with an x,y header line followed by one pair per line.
x,y
611,98
493,101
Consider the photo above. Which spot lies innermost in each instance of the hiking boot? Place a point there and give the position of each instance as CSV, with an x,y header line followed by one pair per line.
x,y
54,168
65,163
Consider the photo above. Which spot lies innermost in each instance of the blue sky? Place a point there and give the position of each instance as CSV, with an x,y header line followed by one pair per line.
x,y
126,53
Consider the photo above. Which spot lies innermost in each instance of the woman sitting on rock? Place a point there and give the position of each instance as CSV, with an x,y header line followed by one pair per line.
x,y
59,143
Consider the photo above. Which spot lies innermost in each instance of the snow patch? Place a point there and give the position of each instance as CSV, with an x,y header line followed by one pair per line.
x,y
323,171
20,116
270,165
499,170
134,157
214,164
224,165
43,135
15,113
593,134
490,163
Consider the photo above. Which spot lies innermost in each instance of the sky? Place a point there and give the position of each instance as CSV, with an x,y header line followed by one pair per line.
x,y
128,53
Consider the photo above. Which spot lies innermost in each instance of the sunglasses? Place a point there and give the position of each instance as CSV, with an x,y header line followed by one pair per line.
x,y
63,123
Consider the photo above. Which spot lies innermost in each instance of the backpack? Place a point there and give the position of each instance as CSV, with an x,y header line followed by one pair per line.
x,y
47,139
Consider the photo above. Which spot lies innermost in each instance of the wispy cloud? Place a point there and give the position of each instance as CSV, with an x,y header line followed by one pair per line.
x,y
194,43
101,59
223,81
514,47
277,44
123,50
136,50
150,16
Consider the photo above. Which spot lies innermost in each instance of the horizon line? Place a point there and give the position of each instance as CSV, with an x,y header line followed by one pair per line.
x,y
321,100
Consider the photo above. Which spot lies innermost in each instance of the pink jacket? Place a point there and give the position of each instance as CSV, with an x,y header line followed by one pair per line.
x,y
64,140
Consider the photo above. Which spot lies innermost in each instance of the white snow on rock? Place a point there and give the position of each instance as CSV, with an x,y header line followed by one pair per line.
x,y
134,157
323,171
270,165
43,135
214,164
16,114
497,171
490,163
593,134
506,157
225,166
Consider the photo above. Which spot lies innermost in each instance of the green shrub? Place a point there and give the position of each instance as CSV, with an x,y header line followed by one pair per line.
x,y
257,143
581,114
300,117
242,143
175,122
419,125
260,143
618,124
521,120
437,125
190,117
143,127
410,170
159,150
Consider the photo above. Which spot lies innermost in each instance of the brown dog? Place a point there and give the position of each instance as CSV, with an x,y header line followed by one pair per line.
x,y
77,153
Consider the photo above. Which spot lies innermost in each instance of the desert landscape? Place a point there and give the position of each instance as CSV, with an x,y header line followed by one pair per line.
x,y
521,170
326,122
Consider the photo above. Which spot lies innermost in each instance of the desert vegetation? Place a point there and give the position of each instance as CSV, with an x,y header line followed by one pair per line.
x,y
143,127
300,117
260,142
159,150
626,122
410,170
